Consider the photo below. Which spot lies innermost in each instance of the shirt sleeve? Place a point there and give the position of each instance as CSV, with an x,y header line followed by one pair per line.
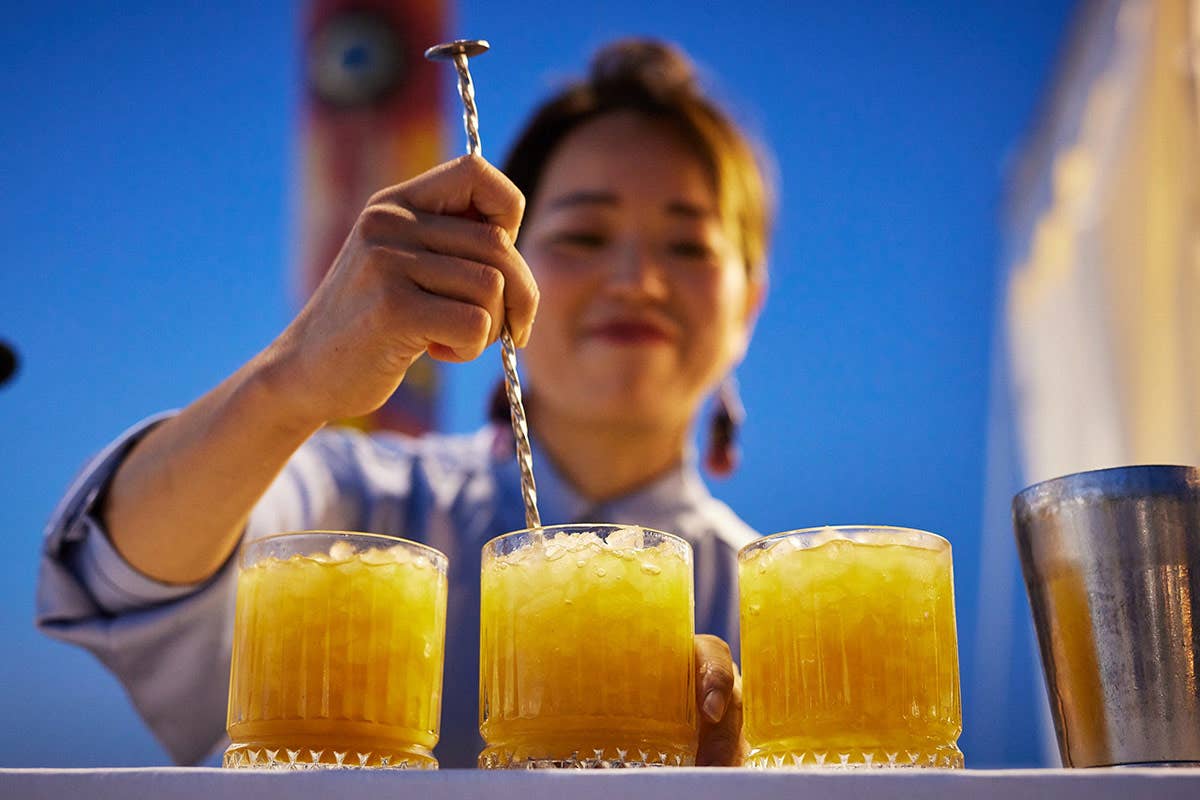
x,y
169,645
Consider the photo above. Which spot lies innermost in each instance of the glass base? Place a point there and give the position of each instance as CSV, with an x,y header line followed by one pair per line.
x,y
525,757
253,756
937,757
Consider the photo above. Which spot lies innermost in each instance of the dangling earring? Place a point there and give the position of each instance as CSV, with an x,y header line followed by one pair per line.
x,y
728,416
503,445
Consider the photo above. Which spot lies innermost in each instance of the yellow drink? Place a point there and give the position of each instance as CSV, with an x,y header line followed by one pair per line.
x,y
586,649
337,652
849,652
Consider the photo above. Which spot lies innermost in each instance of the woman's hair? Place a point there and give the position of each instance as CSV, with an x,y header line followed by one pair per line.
x,y
657,80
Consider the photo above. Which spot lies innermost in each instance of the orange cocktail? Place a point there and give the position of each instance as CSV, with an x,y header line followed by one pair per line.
x,y
849,652
337,652
586,652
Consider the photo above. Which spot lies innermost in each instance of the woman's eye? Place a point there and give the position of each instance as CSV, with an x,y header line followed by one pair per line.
x,y
688,248
581,239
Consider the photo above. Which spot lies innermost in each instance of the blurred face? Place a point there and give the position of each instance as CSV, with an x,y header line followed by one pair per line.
x,y
645,301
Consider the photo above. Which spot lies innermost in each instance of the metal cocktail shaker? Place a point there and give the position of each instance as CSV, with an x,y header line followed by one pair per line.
x,y
1112,564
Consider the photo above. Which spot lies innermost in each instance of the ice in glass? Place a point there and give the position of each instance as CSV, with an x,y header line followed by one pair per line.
x,y
849,652
586,652
337,652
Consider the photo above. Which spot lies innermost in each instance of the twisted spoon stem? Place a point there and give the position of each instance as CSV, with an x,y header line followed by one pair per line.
x,y
508,350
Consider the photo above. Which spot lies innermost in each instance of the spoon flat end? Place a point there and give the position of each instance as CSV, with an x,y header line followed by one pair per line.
x,y
459,47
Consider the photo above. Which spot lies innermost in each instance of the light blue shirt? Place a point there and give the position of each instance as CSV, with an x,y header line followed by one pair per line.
x,y
170,645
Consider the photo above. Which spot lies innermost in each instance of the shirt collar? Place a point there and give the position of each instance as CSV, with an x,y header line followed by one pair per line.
x,y
559,503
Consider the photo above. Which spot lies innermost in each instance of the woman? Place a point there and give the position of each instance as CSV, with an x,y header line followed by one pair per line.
x,y
642,221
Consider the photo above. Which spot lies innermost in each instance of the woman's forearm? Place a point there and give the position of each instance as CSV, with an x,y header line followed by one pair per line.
x,y
178,503
414,276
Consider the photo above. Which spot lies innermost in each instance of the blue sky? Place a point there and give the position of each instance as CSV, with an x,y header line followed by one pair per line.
x,y
147,162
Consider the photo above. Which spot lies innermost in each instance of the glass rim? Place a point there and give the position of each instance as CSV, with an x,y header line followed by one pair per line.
x,y
491,543
383,537
805,533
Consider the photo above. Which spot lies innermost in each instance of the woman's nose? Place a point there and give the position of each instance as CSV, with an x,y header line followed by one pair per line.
x,y
637,271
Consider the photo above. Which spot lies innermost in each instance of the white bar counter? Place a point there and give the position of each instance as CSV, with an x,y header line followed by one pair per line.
x,y
653,784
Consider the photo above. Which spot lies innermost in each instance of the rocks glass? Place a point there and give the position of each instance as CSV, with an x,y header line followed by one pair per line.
x,y
586,649
337,652
849,652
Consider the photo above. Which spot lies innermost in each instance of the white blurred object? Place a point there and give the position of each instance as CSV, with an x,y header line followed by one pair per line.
x,y
1103,332
1097,355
